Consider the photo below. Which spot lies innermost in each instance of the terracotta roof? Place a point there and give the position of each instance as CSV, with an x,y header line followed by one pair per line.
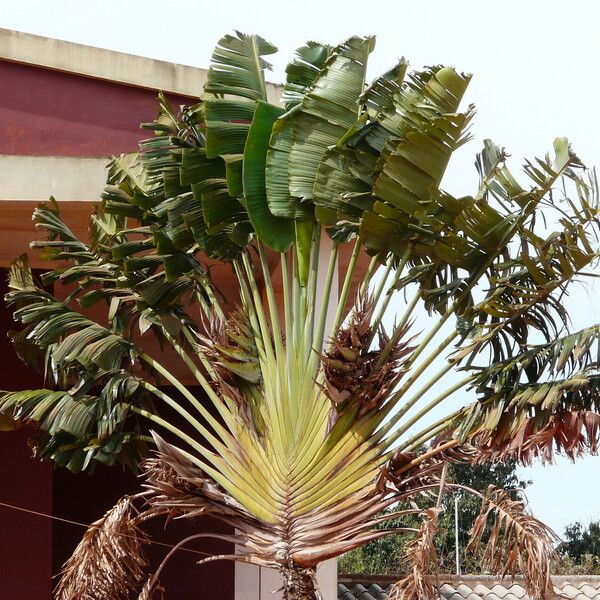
x,y
575,587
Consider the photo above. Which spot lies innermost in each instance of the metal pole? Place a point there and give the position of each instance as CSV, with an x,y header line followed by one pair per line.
x,y
456,546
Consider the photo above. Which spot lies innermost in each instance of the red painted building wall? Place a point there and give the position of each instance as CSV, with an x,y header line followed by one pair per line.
x,y
49,113
25,540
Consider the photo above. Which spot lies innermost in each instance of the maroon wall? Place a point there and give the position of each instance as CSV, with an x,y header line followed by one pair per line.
x,y
32,548
25,540
85,498
49,113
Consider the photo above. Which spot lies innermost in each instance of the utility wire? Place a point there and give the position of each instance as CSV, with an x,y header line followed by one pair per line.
x,y
86,526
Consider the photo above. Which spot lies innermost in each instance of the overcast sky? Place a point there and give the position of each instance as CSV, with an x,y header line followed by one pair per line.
x,y
536,76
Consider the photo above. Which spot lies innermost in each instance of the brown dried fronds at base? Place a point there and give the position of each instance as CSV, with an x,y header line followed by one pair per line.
x,y
420,583
516,542
109,561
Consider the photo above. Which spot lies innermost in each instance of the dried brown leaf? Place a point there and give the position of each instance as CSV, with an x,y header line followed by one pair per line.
x,y
517,542
571,434
109,561
420,583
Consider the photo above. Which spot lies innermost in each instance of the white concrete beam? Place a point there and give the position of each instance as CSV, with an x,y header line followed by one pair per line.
x,y
39,177
109,65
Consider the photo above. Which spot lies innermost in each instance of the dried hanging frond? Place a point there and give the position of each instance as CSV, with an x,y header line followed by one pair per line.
x,y
524,421
109,561
571,434
353,375
459,454
517,542
152,590
420,583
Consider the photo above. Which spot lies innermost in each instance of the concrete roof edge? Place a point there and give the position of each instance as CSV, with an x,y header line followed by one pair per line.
x,y
109,65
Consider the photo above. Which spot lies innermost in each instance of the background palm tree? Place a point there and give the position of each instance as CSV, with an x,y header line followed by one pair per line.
x,y
307,429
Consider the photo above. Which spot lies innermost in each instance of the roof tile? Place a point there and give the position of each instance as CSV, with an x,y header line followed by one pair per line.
x,y
463,589
483,587
589,591
570,591
481,590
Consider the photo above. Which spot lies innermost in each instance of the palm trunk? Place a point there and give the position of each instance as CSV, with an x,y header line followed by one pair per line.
x,y
300,584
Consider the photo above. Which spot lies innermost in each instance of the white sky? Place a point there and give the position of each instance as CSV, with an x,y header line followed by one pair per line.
x,y
536,77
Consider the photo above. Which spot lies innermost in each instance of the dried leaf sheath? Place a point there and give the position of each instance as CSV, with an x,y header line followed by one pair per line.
x,y
109,561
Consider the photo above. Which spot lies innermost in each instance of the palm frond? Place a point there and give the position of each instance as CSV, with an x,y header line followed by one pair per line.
x,y
516,541
109,561
420,584
535,420
77,428
542,400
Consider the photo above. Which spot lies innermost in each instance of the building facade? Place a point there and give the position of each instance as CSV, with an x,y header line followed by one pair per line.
x,y
64,109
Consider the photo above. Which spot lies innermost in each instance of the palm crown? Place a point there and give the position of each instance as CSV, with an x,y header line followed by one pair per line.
x,y
308,427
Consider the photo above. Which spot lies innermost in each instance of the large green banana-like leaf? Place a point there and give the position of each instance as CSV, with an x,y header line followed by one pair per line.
x,y
321,119
276,232
410,174
238,131
302,72
237,66
362,177
348,167
237,69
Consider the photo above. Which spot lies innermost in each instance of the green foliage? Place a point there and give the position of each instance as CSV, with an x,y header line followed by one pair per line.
x,y
387,556
579,553
589,564
581,541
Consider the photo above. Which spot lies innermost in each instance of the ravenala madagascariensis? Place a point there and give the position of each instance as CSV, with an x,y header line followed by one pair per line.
x,y
313,422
